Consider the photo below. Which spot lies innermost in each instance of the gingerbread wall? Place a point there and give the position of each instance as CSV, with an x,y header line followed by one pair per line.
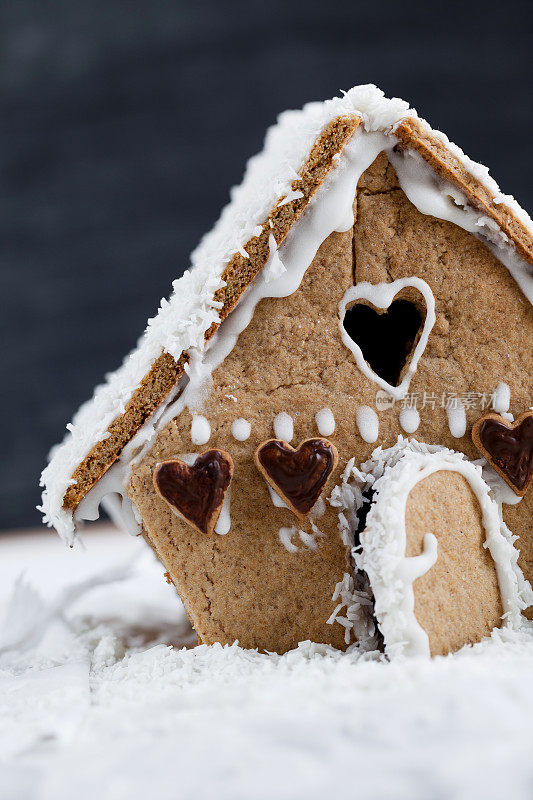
x,y
247,585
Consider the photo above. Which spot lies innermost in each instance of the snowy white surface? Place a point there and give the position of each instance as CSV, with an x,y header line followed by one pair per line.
x,y
96,703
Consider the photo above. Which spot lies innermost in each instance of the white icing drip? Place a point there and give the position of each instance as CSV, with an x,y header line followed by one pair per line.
x,y
285,537
396,472
368,423
241,429
283,426
456,417
501,400
409,419
325,421
200,430
323,215
223,524
501,491
276,499
107,492
440,199
381,295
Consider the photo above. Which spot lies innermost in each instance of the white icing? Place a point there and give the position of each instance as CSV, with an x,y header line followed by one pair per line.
x,y
283,426
409,419
325,421
200,430
111,493
285,537
368,423
276,499
455,411
501,400
414,567
381,295
241,429
182,321
223,524
394,473
440,199
501,491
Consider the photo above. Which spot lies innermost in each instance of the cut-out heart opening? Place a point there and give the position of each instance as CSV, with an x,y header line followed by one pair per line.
x,y
386,337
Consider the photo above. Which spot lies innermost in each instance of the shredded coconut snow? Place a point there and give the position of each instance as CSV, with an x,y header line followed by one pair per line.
x,y
182,320
102,705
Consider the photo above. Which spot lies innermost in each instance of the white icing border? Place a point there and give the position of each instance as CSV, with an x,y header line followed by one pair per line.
x,y
381,295
383,543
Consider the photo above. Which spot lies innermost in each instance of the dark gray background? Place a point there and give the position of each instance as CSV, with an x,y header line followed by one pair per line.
x,y
123,124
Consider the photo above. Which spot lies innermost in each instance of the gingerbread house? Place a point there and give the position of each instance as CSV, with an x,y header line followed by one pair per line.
x,y
366,283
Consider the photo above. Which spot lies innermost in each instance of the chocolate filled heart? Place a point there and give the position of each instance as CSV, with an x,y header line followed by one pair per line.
x,y
196,493
298,476
508,447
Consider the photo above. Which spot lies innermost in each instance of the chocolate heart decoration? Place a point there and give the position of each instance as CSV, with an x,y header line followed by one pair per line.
x,y
196,492
298,476
508,447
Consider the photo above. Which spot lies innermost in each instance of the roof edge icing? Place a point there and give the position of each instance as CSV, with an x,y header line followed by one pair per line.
x,y
182,320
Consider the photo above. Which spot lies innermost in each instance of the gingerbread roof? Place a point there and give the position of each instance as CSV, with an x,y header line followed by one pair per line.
x,y
302,151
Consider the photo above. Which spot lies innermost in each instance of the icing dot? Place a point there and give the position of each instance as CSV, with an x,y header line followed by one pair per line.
x,y
501,398
224,521
368,423
241,429
283,426
456,418
200,430
325,421
409,419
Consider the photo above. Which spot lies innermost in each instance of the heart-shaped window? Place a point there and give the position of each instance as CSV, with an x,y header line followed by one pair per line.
x,y
387,333
386,337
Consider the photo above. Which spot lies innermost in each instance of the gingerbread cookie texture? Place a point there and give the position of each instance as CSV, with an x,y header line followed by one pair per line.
x,y
353,202
441,566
